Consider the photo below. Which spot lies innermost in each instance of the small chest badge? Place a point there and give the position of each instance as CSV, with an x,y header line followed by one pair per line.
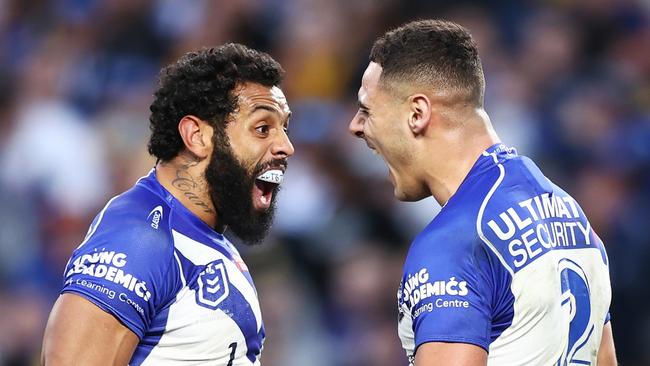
x,y
213,285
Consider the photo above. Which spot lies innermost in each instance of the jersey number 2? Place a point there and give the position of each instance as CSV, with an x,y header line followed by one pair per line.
x,y
576,301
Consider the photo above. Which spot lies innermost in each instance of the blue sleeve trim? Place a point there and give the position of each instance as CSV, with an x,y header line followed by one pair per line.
x,y
447,339
109,309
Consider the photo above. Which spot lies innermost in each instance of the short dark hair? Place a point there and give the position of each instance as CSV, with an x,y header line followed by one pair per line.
x,y
201,83
431,52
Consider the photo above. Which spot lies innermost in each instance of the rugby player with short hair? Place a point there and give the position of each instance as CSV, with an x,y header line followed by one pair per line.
x,y
155,282
510,271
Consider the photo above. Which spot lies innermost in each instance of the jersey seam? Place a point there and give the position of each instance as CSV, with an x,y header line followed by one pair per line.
x,y
157,194
172,258
479,218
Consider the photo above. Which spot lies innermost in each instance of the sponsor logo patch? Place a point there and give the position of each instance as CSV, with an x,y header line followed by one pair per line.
x,y
418,287
109,266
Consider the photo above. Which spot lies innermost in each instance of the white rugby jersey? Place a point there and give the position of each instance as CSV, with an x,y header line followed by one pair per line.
x,y
510,264
171,279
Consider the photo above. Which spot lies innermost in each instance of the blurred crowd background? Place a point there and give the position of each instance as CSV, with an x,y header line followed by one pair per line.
x,y
568,84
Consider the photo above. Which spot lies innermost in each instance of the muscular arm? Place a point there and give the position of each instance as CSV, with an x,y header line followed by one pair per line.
x,y
607,353
78,332
455,354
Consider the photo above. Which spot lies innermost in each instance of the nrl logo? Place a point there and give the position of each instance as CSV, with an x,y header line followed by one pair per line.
x,y
213,285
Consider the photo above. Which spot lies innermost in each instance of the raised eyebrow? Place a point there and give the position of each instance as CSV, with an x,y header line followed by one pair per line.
x,y
263,107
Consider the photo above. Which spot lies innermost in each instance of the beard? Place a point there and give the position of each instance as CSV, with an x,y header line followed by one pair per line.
x,y
230,186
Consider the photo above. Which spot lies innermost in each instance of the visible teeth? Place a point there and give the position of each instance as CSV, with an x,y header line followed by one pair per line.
x,y
272,176
265,200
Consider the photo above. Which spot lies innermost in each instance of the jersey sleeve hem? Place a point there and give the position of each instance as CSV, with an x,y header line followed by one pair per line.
x,y
447,339
109,309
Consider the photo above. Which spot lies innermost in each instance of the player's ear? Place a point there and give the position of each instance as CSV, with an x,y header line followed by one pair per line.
x,y
196,135
419,113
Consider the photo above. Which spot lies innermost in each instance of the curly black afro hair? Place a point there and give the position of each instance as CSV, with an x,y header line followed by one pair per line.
x,y
201,84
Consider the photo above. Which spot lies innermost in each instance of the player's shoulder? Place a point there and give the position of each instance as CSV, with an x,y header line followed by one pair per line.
x,y
136,221
448,241
456,233
519,180
455,229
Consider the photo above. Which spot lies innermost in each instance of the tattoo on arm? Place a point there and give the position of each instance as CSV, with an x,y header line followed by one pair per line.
x,y
186,184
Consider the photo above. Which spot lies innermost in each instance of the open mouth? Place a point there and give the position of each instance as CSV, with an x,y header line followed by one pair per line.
x,y
265,185
372,148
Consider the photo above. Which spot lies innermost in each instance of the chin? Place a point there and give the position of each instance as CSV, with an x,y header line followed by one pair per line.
x,y
405,195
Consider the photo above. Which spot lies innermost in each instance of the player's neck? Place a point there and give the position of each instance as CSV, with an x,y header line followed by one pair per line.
x,y
462,149
183,178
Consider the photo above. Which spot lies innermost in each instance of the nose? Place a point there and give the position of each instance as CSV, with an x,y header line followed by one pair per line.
x,y
356,126
282,148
